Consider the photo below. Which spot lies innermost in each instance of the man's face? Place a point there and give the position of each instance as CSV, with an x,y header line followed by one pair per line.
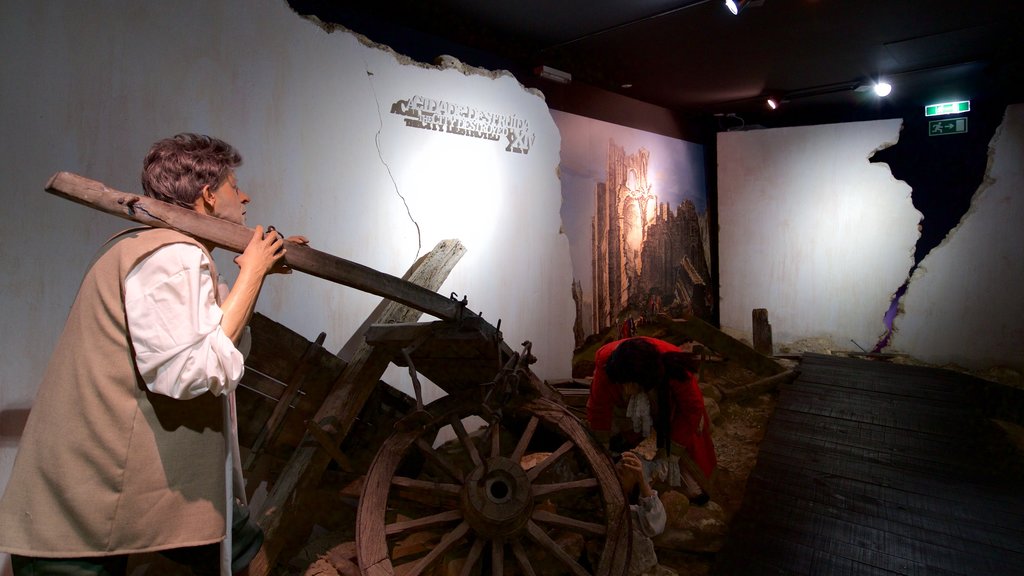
x,y
230,201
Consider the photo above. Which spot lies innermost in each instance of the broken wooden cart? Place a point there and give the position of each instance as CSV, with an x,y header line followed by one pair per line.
x,y
521,487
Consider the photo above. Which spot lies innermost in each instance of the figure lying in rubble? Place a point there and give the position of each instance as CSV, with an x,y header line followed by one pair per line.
x,y
653,384
646,509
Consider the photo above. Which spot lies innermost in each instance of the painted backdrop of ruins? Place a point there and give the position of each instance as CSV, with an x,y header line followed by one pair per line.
x,y
634,207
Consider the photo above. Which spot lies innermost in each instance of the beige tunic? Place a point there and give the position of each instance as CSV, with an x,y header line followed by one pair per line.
x,y
105,466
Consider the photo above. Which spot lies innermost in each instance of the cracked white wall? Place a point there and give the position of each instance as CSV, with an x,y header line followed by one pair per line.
x,y
88,87
964,304
812,231
822,238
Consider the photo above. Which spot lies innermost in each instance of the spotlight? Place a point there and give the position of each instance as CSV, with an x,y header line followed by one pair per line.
x,y
737,6
772,103
880,88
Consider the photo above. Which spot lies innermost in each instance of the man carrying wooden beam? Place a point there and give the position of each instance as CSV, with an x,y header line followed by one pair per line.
x,y
130,445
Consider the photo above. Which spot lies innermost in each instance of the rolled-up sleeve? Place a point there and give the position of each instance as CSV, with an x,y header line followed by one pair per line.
x,y
651,517
174,322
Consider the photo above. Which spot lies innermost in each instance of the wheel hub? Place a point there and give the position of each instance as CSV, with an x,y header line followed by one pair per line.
x,y
496,499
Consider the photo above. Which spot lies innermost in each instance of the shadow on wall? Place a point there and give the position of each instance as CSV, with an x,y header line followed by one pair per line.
x,y
12,424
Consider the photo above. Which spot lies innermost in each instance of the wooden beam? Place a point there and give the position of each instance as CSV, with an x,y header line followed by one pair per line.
x,y
344,403
758,387
721,343
235,237
407,333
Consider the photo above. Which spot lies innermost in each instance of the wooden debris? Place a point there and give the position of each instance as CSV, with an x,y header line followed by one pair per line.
x,y
756,388
343,404
721,343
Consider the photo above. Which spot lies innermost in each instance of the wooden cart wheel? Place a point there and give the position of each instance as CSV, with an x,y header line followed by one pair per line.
x,y
423,509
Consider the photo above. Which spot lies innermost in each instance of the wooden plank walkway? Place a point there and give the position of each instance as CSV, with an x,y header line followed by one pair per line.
x,y
871,468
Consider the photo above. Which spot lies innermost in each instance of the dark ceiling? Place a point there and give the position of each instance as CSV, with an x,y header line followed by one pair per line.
x,y
696,59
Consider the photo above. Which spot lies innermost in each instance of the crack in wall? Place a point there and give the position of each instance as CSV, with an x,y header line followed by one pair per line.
x,y
944,174
387,167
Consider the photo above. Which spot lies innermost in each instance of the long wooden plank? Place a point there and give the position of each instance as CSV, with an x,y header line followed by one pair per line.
x,y
879,544
889,443
235,237
951,524
872,469
857,408
809,529
956,501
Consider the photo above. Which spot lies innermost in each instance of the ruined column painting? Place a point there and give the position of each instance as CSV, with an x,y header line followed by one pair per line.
x,y
648,257
634,210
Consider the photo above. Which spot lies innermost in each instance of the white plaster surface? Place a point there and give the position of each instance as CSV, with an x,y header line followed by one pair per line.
x,y
812,231
87,87
964,303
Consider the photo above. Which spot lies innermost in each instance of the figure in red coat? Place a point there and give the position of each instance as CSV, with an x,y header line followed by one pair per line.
x,y
643,376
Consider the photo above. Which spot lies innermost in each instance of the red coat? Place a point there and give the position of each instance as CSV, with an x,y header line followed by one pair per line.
x,y
690,425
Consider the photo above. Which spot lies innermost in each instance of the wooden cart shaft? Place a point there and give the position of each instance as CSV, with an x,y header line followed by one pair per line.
x,y
235,237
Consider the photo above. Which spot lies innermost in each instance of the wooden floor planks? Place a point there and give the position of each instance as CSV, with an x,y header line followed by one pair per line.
x,y
870,468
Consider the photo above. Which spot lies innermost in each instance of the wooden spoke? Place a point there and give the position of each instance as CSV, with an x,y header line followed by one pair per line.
x,y
495,439
498,557
480,497
549,489
552,547
423,523
473,557
570,523
467,442
524,440
522,558
445,466
551,459
446,543
433,487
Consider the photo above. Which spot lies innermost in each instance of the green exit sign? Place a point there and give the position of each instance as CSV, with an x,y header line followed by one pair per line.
x,y
947,108
947,126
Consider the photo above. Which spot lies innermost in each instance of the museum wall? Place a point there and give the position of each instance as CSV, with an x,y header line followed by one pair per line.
x,y
963,303
321,120
822,238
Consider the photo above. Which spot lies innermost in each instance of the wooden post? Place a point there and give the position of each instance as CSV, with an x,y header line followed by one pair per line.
x,y
344,403
762,332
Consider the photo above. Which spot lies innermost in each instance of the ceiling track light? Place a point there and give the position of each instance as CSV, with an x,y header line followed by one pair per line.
x,y
553,74
881,88
737,6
